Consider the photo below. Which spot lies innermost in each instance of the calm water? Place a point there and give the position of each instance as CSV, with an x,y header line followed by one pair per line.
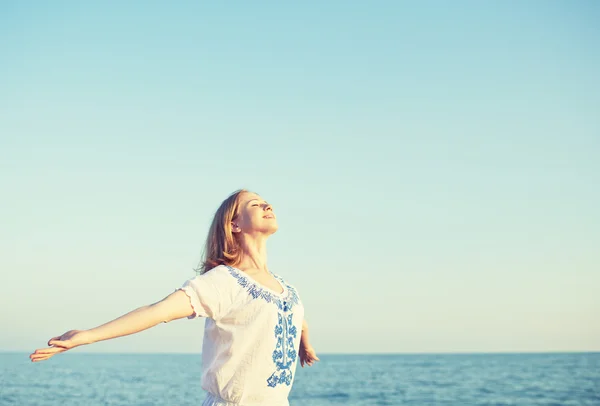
x,y
457,379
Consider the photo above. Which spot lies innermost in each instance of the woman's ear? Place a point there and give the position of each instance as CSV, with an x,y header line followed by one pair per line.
x,y
235,228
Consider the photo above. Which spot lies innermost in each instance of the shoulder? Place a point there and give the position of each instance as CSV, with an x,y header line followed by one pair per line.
x,y
216,272
219,276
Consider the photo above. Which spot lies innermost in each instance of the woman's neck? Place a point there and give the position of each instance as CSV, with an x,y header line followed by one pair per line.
x,y
254,253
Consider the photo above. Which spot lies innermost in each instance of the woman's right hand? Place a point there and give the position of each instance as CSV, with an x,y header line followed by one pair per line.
x,y
70,339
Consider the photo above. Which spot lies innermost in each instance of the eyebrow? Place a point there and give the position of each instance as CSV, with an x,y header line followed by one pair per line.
x,y
251,200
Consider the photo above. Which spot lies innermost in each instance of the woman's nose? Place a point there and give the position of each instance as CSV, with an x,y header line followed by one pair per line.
x,y
268,207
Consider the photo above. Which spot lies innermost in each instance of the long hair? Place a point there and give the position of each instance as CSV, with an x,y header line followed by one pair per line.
x,y
221,246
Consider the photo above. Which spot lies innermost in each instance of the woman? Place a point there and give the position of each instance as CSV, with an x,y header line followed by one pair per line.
x,y
255,327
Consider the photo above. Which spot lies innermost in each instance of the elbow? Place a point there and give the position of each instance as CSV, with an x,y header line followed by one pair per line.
x,y
161,314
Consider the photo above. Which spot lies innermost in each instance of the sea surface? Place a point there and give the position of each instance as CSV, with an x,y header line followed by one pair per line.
x,y
411,379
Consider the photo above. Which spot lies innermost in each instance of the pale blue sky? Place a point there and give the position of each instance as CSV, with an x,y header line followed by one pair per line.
x,y
434,166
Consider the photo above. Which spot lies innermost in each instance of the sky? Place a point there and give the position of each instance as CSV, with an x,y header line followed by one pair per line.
x,y
434,167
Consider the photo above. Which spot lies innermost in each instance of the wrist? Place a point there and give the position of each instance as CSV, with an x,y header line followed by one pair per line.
x,y
85,337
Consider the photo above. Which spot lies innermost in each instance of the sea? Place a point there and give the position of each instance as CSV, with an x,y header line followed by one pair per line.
x,y
91,379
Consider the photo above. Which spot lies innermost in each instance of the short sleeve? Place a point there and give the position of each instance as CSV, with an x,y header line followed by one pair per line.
x,y
211,294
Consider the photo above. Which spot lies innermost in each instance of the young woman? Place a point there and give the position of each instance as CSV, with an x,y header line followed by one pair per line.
x,y
255,328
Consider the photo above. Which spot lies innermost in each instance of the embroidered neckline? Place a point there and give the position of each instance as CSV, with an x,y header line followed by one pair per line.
x,y
284,301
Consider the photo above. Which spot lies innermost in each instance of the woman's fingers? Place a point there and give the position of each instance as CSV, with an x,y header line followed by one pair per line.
x,y
311,358
308,358
59,344
42,351
54,339
40,357
45,353
37,358
50,350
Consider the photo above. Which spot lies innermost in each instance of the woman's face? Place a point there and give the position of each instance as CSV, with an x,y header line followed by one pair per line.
x,y
255,216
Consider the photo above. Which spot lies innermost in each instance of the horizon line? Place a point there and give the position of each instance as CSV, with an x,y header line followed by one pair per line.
x,y
507,352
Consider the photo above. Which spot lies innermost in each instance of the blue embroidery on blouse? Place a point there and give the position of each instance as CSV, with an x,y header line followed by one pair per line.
x,y
258,292
284,355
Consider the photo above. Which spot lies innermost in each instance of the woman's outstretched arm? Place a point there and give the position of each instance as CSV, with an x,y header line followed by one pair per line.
x,y
175,306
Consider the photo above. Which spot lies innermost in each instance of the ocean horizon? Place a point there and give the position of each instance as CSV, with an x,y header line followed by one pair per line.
x,y
491,378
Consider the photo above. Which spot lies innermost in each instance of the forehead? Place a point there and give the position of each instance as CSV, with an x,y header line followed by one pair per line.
x,y
248,196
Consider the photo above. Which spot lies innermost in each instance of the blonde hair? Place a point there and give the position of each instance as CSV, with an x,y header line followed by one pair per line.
x,y
221,246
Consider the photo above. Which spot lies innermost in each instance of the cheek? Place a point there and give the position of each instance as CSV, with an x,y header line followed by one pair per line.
x,y
248,218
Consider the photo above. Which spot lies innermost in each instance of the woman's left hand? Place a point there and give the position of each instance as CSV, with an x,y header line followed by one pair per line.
x,y
307,354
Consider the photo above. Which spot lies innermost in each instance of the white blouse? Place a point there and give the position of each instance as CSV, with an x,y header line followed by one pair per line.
x,y
251,337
